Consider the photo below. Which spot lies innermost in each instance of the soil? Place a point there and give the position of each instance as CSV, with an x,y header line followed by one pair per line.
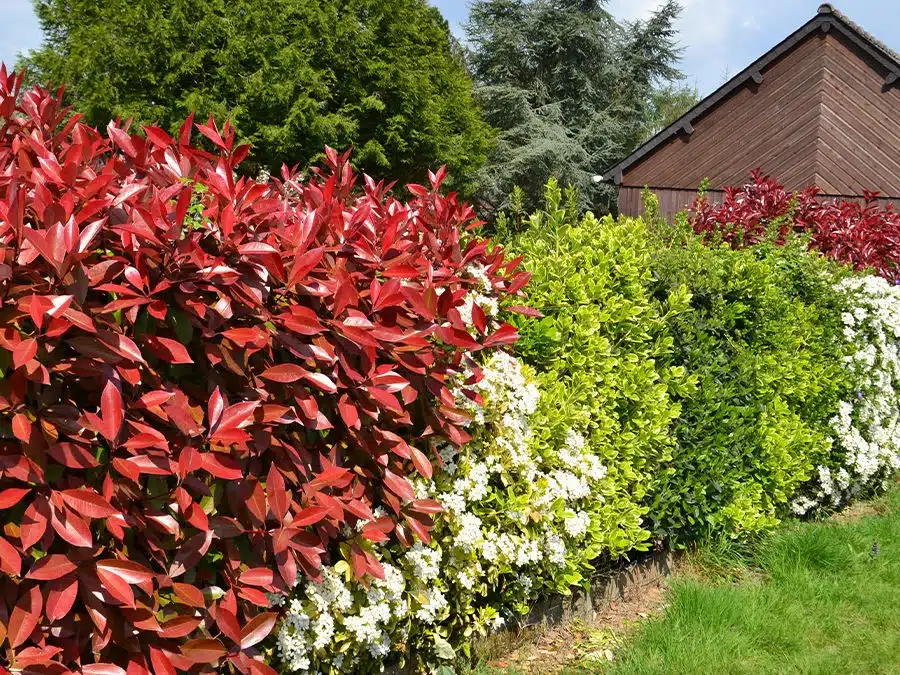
x,y
558,649
856,512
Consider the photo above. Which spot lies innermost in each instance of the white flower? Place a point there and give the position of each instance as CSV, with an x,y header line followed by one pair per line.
x,y
426,562
322,629
555,548
469,535
577,524
433,605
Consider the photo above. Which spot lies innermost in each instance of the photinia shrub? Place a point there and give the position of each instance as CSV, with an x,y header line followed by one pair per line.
x,y
862,234
210,384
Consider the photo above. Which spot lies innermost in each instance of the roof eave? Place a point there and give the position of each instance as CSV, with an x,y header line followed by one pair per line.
x,y
826,18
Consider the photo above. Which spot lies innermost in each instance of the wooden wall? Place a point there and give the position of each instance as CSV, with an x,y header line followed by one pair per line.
x,y
671,200
674,200
821,116
859,134
772,126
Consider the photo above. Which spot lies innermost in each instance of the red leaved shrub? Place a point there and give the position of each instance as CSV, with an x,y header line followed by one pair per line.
x,y
206,381
862,233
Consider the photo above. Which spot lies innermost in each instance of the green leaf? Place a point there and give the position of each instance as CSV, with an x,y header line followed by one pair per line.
x,y
443,649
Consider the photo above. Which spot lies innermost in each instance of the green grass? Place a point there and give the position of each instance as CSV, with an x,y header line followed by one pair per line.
x,y
812,599
809,599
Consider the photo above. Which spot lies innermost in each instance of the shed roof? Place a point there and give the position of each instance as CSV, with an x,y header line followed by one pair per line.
x,y
826,18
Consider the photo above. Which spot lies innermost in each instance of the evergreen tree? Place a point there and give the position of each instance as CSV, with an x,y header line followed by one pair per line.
x,y
568,87
294,75
667,104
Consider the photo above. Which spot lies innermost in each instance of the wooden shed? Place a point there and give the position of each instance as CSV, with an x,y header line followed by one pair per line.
x,y
821,108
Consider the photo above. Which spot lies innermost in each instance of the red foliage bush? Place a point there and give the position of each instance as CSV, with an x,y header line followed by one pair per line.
x,y
205,380
862,234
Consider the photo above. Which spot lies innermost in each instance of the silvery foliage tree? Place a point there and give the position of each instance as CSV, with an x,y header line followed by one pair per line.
x,y
568,87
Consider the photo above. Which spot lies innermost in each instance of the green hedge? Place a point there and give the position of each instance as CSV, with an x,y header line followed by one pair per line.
x,y
763,338
602,352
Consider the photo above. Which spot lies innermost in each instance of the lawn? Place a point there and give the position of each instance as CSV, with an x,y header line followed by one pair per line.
x,y
812,598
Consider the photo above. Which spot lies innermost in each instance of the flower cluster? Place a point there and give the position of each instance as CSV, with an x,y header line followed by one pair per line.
x,y
866,428
481,295
512,522
336,623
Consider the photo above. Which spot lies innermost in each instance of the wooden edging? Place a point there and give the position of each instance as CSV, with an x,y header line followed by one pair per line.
x,y
584,605
607,587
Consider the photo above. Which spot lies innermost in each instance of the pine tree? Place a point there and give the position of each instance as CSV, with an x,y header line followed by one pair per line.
x,y
569,88
294,75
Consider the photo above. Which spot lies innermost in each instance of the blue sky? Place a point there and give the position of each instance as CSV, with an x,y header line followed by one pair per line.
x,y
720,37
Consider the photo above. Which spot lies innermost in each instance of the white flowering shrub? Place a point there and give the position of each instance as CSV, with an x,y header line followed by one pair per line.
x,y
866,427
516,524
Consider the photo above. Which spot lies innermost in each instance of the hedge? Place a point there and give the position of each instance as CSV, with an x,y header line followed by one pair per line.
x,y
285,425
211,385
764,340
863,234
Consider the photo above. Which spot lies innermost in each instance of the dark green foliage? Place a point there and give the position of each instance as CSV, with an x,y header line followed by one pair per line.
x,y
763,339
568,87
294,75
667,104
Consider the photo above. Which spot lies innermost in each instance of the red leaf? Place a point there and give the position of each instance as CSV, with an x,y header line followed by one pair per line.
x,y
116,586
420,461
12,496
279,502
260,668
235,416
129,571
189,595
24,352
257,629
215,408
204,650
321,381
284,373
179,626
258,576
221,466
377,530
88,503
71,527
257,248
72,456
25,616
308,516
112,411
228,623
10,560
168,350
505,335
526,311
333,476
61,595
102,669
162,664
21,427
158,137
428,506
398,485
34,523
51,567
349,413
